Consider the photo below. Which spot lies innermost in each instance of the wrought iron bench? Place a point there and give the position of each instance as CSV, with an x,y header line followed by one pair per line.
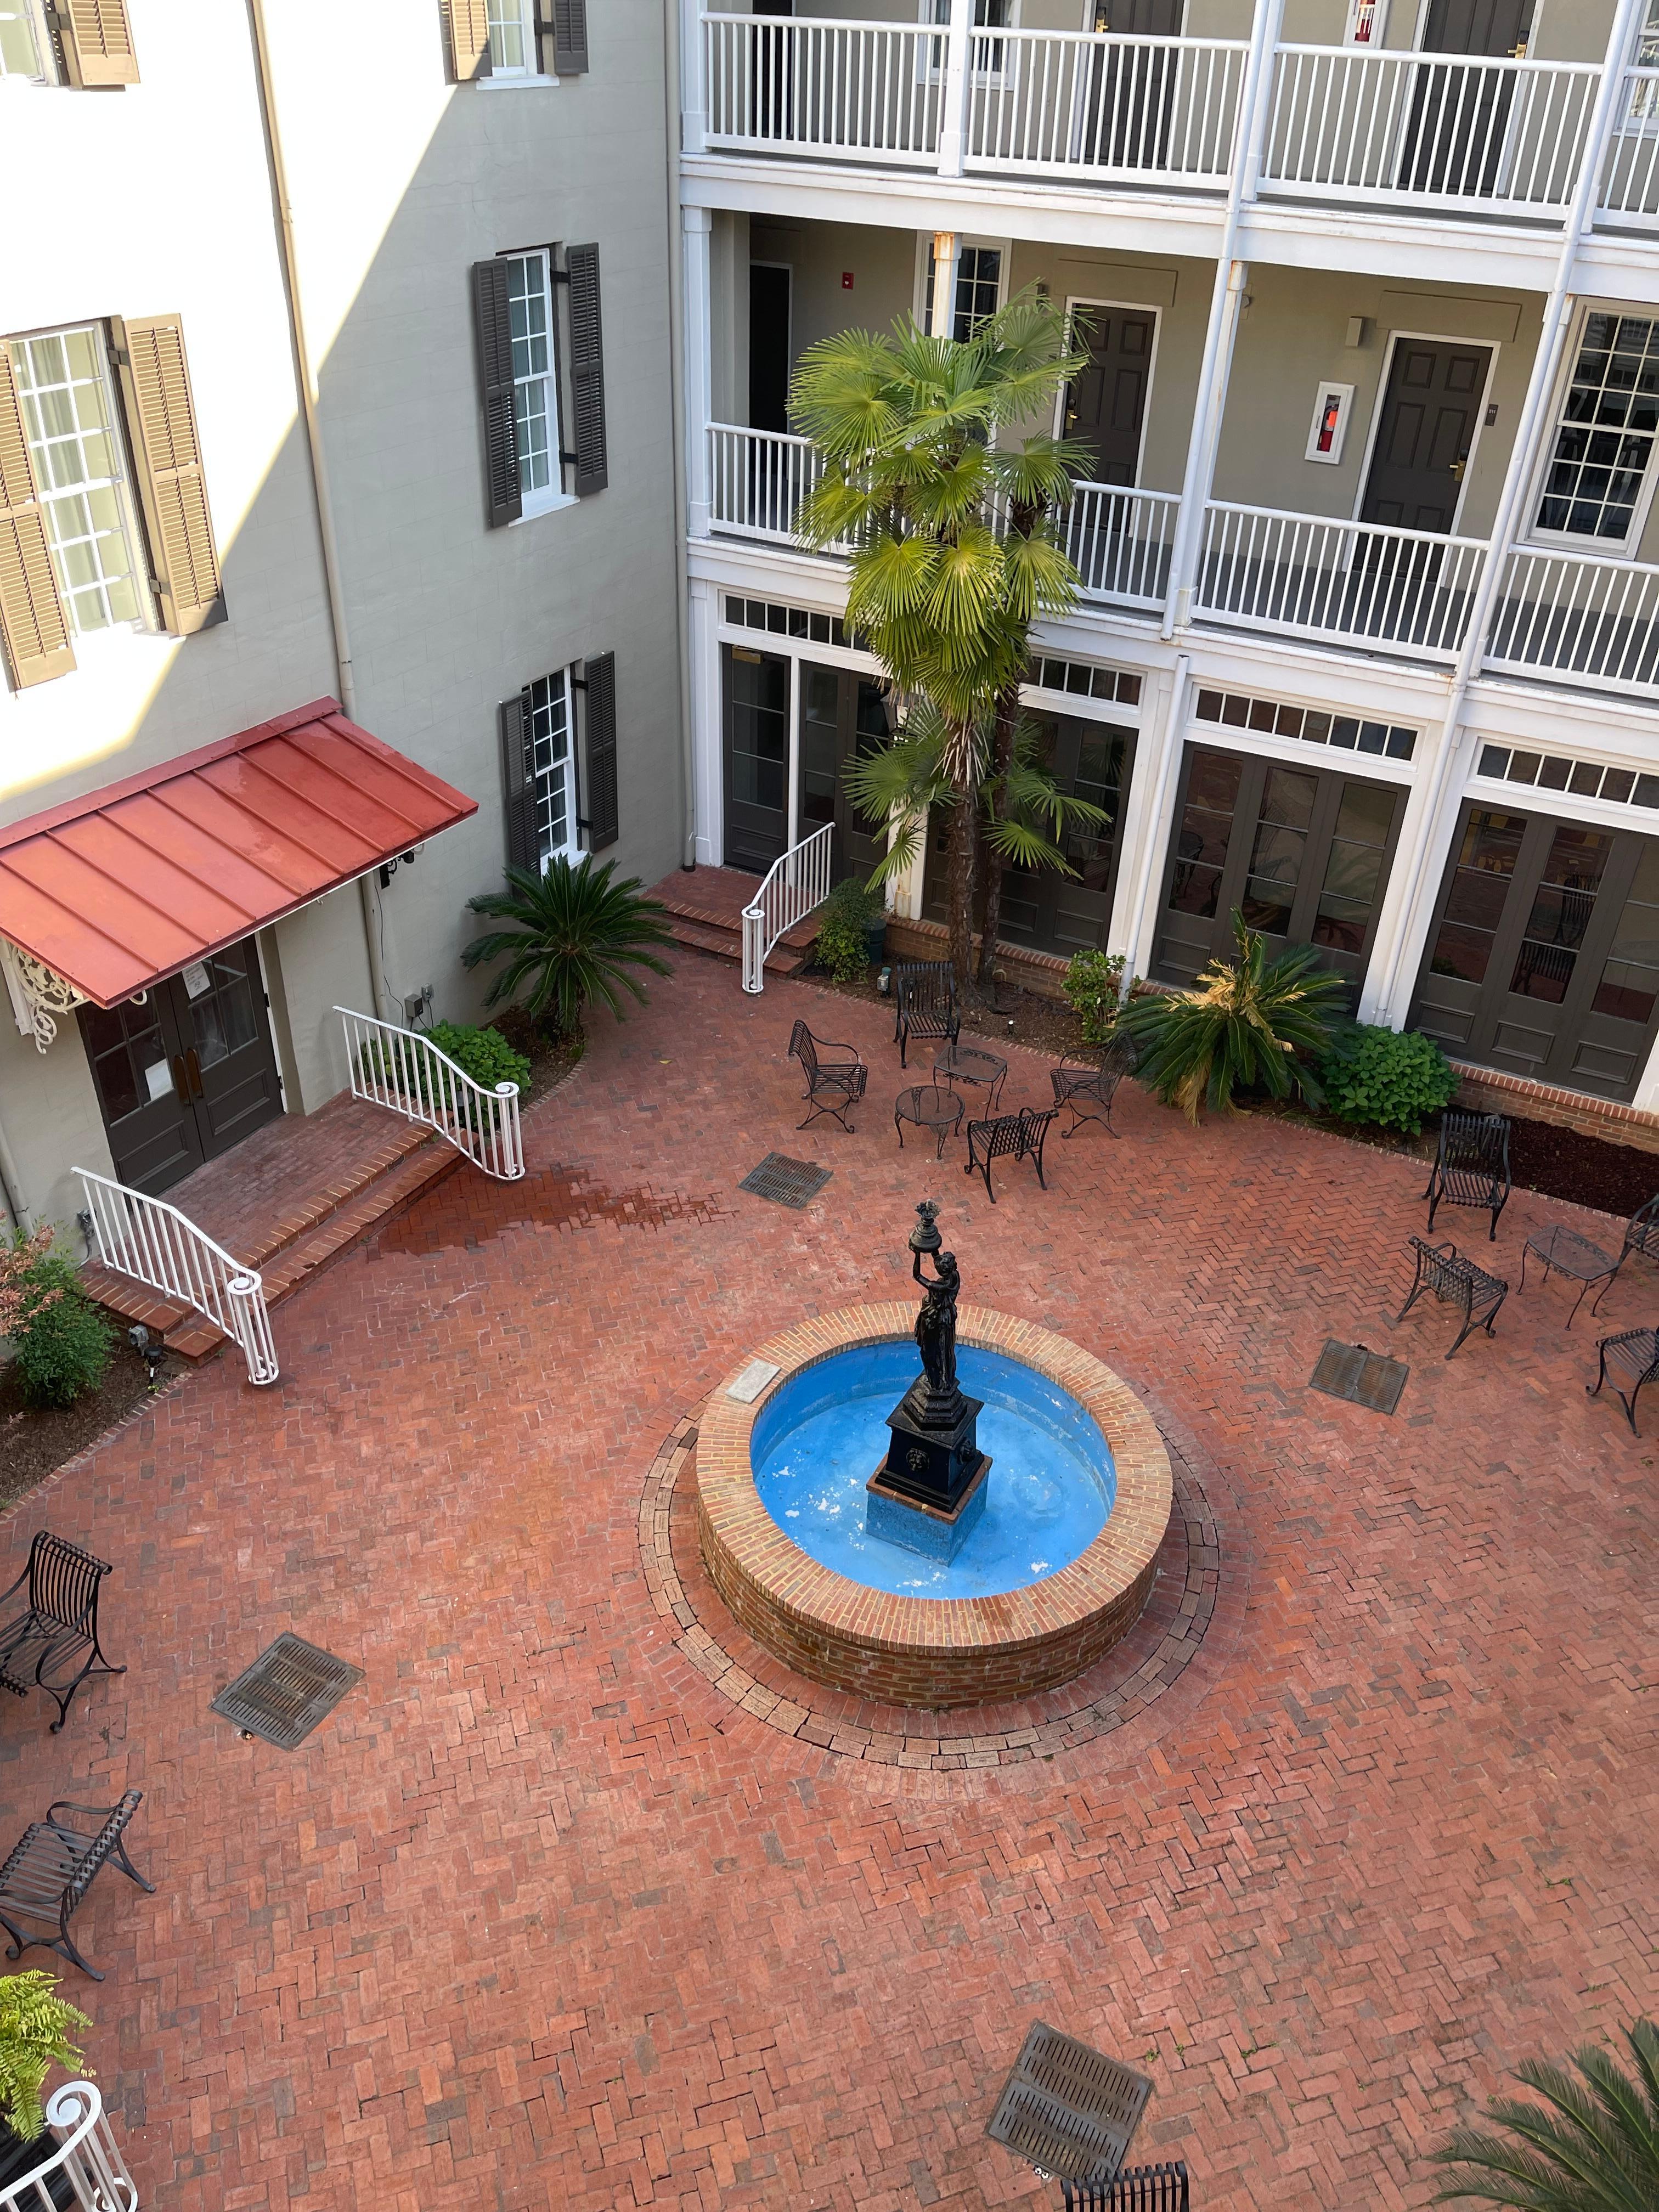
x,y
1472,1166
833,1085
1085,1082
1458,1282
925,1003
61,1623
1641,1237
50,1871
1011,1137
1629,1360
1161,2188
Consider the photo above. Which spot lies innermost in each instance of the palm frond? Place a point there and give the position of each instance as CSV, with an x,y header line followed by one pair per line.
x,y
578,936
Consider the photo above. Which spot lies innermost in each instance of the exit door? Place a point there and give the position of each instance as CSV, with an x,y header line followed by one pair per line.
x,y
1455,139
1431,412
1106,406
187,1073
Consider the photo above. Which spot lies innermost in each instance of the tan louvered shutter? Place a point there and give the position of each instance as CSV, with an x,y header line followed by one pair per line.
x,y
97,42
33,625
467,39
168,461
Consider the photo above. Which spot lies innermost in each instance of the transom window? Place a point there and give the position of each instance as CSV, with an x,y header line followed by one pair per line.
x,y
512,39
535,393
69,418
1605,434
20,41
548,727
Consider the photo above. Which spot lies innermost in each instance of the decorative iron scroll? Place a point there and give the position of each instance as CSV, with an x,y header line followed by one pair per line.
x,y
39,995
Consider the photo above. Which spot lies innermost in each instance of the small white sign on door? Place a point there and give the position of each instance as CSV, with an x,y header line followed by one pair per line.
x,y
159,1075
195,978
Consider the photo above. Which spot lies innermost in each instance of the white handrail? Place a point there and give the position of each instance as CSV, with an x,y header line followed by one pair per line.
x,y
758,480
1595,621
818,86
405,1072
1629,192
145,1237
1105,106
796,882
84,2154
1313,576
1120,542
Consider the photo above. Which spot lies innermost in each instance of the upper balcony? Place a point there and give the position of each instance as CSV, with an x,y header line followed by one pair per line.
x,y
1489,142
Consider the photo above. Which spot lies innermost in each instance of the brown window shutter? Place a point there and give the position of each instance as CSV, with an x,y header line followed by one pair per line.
x,y
166,456
467,39
492,322
517,783
97,42
601,675
586,369
569,38
34,628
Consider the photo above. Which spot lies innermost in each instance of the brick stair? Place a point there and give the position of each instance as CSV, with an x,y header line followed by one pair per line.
x,y
706,923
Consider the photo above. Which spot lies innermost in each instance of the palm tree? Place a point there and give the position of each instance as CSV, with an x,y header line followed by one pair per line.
x,y
914,480
576,937
1590,2148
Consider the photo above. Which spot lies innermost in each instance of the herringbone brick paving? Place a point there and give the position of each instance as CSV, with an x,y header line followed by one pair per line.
x,y
538,1918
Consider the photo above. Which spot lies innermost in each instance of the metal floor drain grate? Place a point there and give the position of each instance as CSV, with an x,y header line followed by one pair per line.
x,y
791,1182
1348,1371
1069,2109
286,1690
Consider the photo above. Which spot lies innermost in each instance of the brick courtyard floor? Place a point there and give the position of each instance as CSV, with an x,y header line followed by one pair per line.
x,y
541,1918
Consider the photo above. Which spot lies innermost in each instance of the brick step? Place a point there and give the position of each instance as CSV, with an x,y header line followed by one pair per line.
x,y
706,914
784,959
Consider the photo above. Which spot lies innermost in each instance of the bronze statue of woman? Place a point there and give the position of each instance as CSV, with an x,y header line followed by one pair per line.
x,y
936,1323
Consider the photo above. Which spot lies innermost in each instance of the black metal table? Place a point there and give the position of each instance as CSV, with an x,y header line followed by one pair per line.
x,y
1570,1254
928,1106
966,1063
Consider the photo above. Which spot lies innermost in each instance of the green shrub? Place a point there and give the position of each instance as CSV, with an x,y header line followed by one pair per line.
x,y
59,1338
576,937
485,1055
1391,1077
1093,981
37,2033
842,949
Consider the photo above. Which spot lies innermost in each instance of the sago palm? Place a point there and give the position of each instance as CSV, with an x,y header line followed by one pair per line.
x,y
941,589
1252,1023
1589,2146
576,937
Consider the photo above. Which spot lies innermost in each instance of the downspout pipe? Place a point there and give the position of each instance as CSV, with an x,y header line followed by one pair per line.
x,y
675,61
1558,310
11,1186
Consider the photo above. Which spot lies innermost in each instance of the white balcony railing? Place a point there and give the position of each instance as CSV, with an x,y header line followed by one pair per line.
x,y
1587,620
1119,543
152,1243
1079,105
796,882
850,91
1306,575
758,480
1629,193
79,2164
1428,130
405,1072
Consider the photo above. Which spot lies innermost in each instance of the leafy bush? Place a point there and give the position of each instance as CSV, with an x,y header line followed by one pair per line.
x,y
59,1338
485,1055
1592,2145
842,949
1393,1078
574,938
1251,1023
37,2033
1093,981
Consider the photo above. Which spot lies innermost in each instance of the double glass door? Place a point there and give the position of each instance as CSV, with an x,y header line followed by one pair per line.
x,y
843,716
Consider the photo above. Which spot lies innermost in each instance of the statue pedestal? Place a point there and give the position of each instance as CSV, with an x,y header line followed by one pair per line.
x,y
915,1527
930,1489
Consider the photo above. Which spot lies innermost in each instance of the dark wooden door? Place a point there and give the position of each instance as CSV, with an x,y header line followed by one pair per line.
x,y
1477,27
769,346
1132,91
757,686
1140,19
1430,411
1456,137
1107,404
1304,854
843,715
1544,956
221,1008
775,73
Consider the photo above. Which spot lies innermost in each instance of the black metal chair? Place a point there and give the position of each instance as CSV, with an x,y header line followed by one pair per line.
x,y
61,1623
1161,2188
1085,1082
1641,1237
1011,1137
1472,1166
1456,1281
833,1085
925,1003
1628,1360
51,1870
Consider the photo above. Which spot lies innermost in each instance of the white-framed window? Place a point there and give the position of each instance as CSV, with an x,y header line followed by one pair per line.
x,y
1597,480
552,767
979,286
988,15
513,38
69,418
535,380
25,50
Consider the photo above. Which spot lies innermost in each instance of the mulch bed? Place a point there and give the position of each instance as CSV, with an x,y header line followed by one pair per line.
x,y
550,1059
35,1440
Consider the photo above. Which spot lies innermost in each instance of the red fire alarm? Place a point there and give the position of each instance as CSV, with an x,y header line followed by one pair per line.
x,y
846,280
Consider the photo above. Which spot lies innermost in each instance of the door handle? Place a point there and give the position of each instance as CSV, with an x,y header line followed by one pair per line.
x,y
180,1080
193,1069
1458,467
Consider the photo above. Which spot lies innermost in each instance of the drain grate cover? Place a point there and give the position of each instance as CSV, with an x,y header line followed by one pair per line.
x,y
1069,2109
286,1690
791,1182
1348,1371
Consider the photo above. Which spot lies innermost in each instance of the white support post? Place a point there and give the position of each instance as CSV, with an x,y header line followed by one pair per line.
x,y
793,801
697,226
706,722
953,93
694,78
1155,773
942,318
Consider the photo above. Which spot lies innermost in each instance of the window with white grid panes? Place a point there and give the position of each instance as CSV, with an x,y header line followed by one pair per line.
x,y
69,418
551,766
511,38
535,388
1604,433
979,283
22,48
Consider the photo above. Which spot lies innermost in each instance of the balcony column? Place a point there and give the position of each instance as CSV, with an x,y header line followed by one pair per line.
x,y
953,91
703,655
698,226
694,88
1149,824
941,317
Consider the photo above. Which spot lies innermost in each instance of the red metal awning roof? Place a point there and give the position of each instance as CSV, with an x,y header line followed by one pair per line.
x,y
131,883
